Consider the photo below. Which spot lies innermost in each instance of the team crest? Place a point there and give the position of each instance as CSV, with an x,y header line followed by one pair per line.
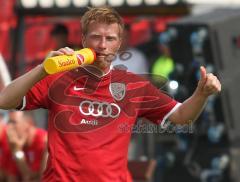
x,y
118,90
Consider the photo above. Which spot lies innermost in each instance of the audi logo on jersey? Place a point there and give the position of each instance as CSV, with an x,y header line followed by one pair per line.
x,y
99,109
131,94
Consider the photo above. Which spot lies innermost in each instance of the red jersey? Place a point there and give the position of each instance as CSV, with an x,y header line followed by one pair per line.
x,y
33,153
90,121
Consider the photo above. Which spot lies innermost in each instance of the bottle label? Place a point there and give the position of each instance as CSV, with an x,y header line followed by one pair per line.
x,y
65,63
80,59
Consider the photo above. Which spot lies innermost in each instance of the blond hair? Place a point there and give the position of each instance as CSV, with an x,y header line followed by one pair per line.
x,y
101,15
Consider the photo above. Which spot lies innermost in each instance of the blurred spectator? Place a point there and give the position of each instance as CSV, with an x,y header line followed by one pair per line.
x,y
131,58
164,65
60,35
23,148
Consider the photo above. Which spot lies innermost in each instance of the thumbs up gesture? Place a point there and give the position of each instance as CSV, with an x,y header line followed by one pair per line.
x,y
208,83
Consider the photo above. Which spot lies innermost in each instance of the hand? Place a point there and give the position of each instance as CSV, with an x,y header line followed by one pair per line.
x,y
62,51
208,83
16,142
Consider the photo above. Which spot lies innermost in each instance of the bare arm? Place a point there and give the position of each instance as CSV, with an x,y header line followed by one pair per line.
x,y
17,143
23,167
26,173
44,158
11,96
193,106
2,176
11,178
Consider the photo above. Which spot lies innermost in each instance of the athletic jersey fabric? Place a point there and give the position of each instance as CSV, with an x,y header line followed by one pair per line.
x,y
90,121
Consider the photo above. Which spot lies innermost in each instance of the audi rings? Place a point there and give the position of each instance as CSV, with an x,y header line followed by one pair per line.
x,y
99,109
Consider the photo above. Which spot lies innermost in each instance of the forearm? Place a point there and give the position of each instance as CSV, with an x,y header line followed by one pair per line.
x,y
11,178
44,162
22,165
2,176
11,96
189,110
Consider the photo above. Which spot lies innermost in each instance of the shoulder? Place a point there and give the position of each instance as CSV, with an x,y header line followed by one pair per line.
x,y
41,137
41,132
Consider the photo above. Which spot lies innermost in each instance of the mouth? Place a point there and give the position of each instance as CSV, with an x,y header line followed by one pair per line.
x,y
101,54
106,57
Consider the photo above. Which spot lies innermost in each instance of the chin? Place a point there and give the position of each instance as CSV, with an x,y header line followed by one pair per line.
x,y
102,64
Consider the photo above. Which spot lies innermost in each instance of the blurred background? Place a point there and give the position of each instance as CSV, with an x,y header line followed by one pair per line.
x,y
172,38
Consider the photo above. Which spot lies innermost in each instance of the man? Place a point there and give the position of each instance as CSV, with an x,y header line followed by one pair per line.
x,y
90,114
164,65
23,148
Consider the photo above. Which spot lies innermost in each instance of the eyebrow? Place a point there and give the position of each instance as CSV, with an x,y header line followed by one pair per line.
x,y
112,35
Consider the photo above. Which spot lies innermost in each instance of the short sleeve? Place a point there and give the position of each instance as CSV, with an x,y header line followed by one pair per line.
x,y
37,96
156,105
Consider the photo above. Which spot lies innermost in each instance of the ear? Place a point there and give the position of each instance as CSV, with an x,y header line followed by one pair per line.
x,y
83,41
119,47
120,44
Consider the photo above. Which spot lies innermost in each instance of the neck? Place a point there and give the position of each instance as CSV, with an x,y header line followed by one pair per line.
x,y
106,70
97,71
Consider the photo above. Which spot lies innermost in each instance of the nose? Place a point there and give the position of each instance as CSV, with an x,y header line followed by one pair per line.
x,y
102,44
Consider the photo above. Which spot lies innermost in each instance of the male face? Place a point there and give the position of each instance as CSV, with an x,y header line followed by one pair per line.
x,y
19,122
105,39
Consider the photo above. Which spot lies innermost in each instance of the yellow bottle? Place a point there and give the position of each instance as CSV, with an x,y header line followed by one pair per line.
x,y
67,62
